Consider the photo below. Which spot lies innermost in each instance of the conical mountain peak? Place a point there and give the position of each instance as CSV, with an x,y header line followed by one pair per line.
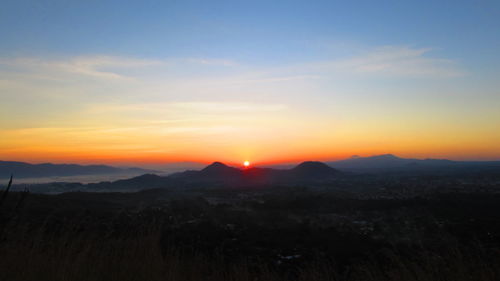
x,y
215,166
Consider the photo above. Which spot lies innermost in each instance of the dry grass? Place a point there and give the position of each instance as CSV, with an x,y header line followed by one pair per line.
x,y
38,255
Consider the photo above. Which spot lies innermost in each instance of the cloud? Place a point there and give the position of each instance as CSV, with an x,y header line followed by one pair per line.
x,y
397,61
277,79
105,67
211,61
101,66
227,107
190,108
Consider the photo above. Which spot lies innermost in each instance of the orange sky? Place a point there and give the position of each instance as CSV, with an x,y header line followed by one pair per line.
x,y
258,81
255,132
260,132
260,145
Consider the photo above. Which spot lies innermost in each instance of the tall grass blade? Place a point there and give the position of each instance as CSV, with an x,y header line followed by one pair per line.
x,y
6,192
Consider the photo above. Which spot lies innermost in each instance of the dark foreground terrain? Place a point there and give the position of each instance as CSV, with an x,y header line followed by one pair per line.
x,y
395,230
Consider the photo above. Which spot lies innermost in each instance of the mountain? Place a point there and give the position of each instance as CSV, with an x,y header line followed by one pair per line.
x,y
219,170
392,163
384,161
306,172
26,170
312,169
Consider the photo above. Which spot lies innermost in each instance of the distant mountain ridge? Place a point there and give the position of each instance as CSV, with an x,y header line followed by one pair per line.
x,y
27,170
390,162
309,173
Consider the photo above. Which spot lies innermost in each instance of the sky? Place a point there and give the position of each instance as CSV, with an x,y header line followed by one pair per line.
x,y
124,82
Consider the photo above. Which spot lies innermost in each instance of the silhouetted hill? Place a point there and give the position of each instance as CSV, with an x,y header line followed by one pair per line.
x,y
311,169
26,170
146,181
218,170
214,172
216,167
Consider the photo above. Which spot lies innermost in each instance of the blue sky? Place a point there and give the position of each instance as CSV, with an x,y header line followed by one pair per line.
x,y
416,78
251,31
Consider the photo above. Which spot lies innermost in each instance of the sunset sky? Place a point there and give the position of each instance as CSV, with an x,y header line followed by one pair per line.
x,y
124,82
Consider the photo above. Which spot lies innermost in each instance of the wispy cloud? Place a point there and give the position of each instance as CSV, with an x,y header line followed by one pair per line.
x,y
98,66
396,61
103,66
227,107
276,79
190,108
106,67
212,61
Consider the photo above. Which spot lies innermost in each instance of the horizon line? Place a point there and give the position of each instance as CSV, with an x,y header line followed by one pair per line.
x,y
230,163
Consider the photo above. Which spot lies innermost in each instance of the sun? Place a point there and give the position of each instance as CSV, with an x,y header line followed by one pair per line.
x,y
246,163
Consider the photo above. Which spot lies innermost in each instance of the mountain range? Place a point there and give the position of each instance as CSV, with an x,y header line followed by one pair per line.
x,y
392,163
216,174
26,170
219,174
306,173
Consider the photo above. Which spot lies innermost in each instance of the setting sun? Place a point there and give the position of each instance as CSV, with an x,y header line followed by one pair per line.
x,y
246,163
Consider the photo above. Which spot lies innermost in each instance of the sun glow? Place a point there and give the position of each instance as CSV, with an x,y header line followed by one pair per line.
x,y
246,164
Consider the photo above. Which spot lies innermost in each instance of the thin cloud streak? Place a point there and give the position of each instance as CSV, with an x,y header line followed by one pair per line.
x,y
401,61
98,66
95,66
211,61
192,107
392,61
398,61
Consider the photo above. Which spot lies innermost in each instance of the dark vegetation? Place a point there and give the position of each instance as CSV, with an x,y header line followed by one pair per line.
x,y
393,230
